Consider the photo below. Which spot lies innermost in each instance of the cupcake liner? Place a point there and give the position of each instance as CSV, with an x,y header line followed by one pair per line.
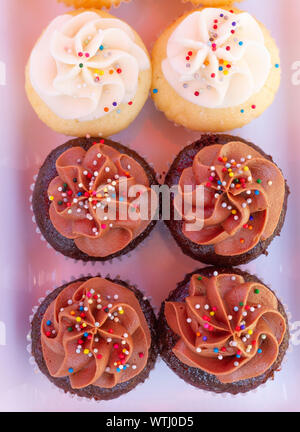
x,y
31,358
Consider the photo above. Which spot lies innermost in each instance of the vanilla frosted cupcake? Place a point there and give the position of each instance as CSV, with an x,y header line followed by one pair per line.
x,y
215,70
92,3
89,73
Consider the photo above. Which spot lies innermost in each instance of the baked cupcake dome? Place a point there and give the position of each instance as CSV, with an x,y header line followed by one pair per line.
x,y
245,200
208,342
69,201
217,83
105,357
92,3
89,73
212,3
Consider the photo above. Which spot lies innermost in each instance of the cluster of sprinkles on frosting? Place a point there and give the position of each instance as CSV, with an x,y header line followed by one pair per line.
x,y
239,333
225,67
232,168
98,74
80,200
121,349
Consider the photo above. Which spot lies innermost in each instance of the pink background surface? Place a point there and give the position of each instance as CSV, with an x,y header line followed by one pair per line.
x,y
29,268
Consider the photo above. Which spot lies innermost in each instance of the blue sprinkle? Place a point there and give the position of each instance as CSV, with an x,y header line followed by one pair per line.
x,y
71,370
219,182
85,334
256,192
216,350
101,48
242,111
204,338
220,68
79,193
234,23
251,218
118,111
48,322
155,91
241,43
238,356
121,199
124,367
113,196
243,327
118,370
81,308
259,351
277,65
115,104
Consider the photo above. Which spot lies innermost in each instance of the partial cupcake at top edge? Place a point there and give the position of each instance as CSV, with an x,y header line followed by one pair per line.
x,y
223,330
244,200
95,337
93,199
89,73
212,3
93,3
214,70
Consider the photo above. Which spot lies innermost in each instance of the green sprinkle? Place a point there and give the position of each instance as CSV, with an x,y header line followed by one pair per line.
x,y
59,202
70,329
258,181
241,304
256,291
199,277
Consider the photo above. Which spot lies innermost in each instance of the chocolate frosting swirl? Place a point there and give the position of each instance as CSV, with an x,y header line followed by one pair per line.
x,y
87,182
95,332
227,327
243,197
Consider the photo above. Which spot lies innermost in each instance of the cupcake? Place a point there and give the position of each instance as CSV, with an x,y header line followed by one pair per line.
x,y
93,3
242,207
223,330
214,70
89,199
89,73
210,2
95,337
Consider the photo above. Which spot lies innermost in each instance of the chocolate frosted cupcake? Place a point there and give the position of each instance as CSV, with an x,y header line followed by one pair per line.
x,y
222,330
83,201
243,205
95,337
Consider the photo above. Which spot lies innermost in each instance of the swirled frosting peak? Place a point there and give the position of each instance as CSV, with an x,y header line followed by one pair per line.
x,y
243,197
216,58
84,66
95,333
227,327
90,200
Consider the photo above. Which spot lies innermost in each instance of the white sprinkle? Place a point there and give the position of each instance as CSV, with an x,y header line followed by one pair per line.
x,y
224,205
215,273
206,307
236,363
109,339
70,302
97,324
125,335
197,306
133,366
235,308
233,278
198,350
220,357
270,183
189,320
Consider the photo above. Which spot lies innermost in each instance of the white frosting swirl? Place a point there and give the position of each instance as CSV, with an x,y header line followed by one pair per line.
x,y
217,59
85,66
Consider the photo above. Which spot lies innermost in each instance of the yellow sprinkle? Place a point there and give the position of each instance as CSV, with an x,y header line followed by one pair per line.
x,y
78,319
246,168
250,332
121,312
234,212
231,174
225,72
229,169
51,198
84,324
211,313
86,351
101,72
